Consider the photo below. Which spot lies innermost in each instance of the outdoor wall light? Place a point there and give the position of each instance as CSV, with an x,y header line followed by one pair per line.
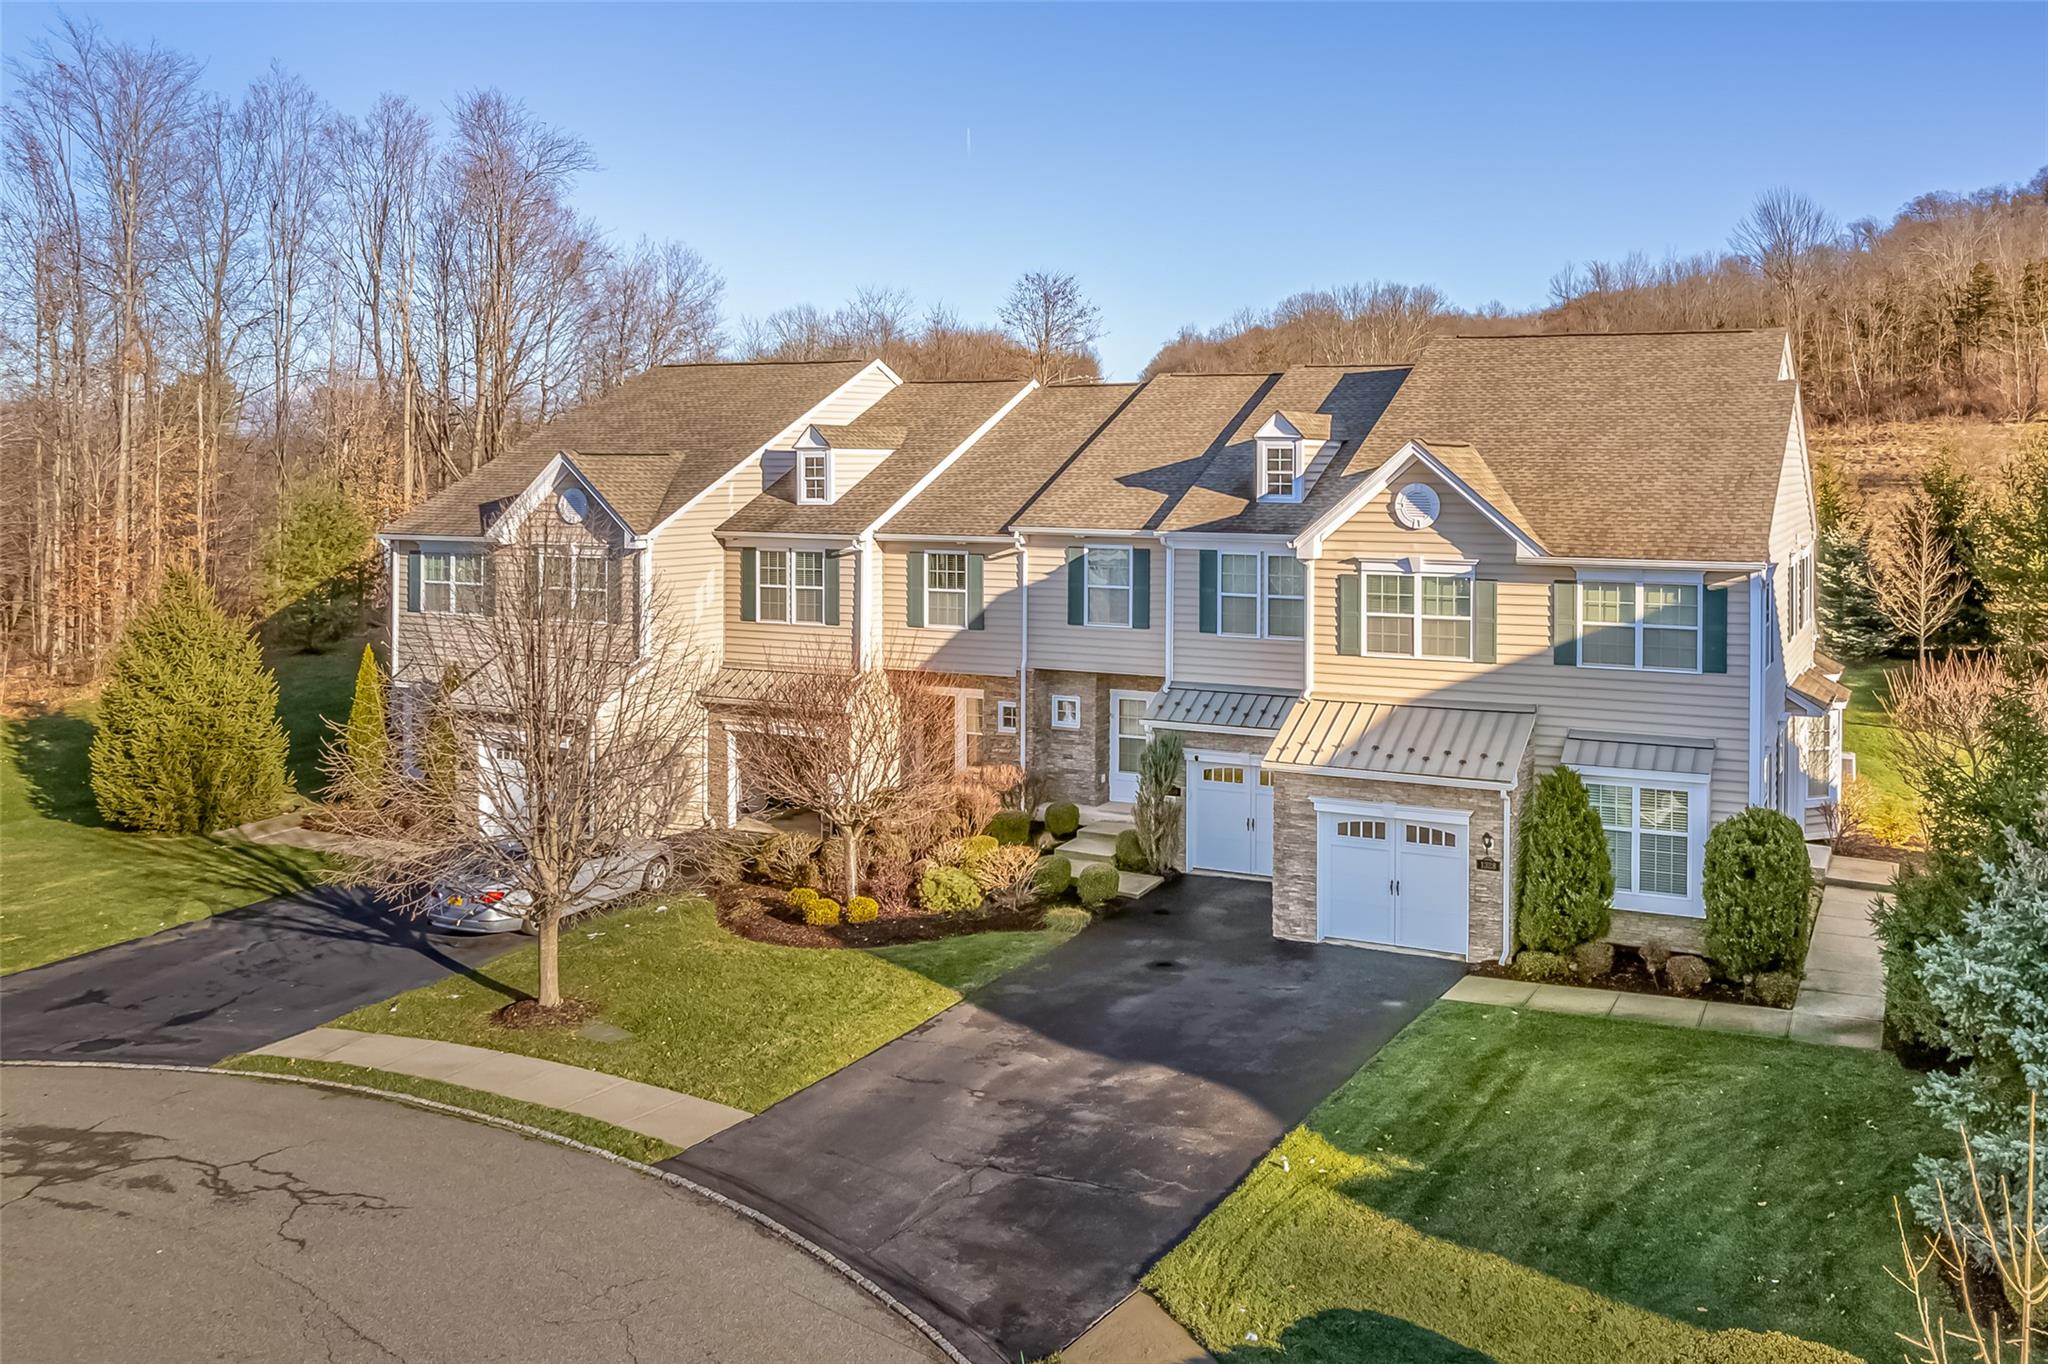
x,y
1486,842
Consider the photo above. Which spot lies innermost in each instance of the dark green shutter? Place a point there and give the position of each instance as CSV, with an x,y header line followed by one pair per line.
x,y
1077,586
1485,614
1716,653
913,589
1209,584
1347,614
1564,624
831,588
1141,589
974,620
412,580
747,557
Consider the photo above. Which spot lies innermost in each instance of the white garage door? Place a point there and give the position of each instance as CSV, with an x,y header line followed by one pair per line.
x,y
1395,880
1230,817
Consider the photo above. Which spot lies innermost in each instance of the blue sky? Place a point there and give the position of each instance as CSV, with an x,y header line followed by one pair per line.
x,y
1185,161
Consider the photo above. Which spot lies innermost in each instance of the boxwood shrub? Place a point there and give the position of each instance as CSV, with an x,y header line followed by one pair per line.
x,y
1055,877
1757,882
948,890
1096,885
1010,827
1062,819
1130,852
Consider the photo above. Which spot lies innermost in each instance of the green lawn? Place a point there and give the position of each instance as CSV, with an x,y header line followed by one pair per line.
x,y
72,884
1533,1188
711,1014
603,1135
1867,733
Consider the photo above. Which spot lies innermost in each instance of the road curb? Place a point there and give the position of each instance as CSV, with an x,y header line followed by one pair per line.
x,y
668,1177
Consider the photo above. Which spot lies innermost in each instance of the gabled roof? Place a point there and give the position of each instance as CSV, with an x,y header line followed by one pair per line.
x,y
690,423
934,417
982,492
865,432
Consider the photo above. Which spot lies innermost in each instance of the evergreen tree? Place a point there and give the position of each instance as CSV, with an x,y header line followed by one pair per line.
x,y
365,740
1852,625
1955,499
2013,555
1564,881
315,565
188,738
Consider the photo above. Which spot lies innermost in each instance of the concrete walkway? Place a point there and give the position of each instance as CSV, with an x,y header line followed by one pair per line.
x,y
681,1120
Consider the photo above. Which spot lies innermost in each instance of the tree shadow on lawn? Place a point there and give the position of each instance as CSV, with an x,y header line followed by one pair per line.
x,y
51,749
1344,1336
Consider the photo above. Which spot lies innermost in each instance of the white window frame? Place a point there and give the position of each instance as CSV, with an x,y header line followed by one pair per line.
x,y
449,582
786,560
1089,589
1069,704
1262,594
1641,581
1415,614
1255,596
578,557
803,476
932,591
1006,717
1691,905
1291,451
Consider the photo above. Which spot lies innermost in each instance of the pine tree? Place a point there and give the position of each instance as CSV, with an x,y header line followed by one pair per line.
x,y
189,739
1564,882
2013,557
1851,622
1955,499
365,740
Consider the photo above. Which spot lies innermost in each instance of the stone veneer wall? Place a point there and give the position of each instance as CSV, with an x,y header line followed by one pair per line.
x,y
995,747
1073,764
1632,928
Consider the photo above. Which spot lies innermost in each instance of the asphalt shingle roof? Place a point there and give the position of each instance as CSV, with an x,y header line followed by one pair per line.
x,y
692,422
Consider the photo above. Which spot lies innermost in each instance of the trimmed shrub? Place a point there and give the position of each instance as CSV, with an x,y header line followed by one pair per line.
x,y
789,859
1776,989
365,740
1068,918
1547,967
1130,852
1593,960
1010,827
1564,882
948,890
800,899
1062,819
822,913
1096,885
1686,974
1055,877
1757,883
188,737
862,909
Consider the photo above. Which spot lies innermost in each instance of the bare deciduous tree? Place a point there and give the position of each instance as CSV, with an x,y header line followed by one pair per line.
x,y
1913,570
1048,315
854,746
1941,716
578,730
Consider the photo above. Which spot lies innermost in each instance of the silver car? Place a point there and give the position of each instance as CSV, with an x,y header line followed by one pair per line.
x,y
475,897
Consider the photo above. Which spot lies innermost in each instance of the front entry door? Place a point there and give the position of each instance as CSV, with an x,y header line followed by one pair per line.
x,y
1126,742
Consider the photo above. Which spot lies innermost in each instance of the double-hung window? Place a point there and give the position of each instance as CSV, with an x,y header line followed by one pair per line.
x,y
1649,836
1650,625
1278,474
1260,594
452,584
576,583
1109,586
1237,587
945,591
1425,615
1286,594
790,586
815,471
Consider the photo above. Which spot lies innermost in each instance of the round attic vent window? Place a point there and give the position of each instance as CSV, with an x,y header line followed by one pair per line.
x,y
572,505
1416,506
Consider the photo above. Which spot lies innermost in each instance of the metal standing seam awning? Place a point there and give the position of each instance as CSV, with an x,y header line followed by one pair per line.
x,y
1639,753
1220,708
1405,742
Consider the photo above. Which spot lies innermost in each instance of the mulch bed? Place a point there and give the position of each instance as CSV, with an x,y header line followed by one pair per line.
x,y
1631,976
759,914
528,1013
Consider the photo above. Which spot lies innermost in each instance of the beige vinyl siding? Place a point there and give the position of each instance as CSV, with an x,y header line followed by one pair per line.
x,y
1228,660
772,644
689,571
1703,705
1091,648
990,651
1793,527
861,393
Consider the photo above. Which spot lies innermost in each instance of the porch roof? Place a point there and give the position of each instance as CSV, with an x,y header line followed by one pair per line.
x,y
1639,753
1221,708
1405,742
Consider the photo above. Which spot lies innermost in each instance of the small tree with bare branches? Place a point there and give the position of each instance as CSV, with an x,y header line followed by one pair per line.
x,y
1048,315
855,746
1914,572
575,728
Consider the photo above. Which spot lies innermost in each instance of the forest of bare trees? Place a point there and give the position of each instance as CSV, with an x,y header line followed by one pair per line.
x,y
1942,310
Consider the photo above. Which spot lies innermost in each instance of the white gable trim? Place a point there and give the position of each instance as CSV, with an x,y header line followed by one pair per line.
x,y
536,492
962,448
1310,542
804,420
1277,427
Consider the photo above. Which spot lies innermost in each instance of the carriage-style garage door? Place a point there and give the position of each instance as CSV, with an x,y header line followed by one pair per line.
x,y
1230,817
1393,877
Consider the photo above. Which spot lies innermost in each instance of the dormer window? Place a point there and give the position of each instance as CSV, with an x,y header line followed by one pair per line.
x,y
1279,469
814,473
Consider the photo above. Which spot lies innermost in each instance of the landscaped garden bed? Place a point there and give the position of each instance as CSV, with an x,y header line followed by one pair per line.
x,y
764,914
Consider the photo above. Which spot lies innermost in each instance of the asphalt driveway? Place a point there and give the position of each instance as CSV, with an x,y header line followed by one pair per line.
x,y
1013,1166
211,988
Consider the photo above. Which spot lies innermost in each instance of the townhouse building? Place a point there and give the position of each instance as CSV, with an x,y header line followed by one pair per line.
x,y
1375,602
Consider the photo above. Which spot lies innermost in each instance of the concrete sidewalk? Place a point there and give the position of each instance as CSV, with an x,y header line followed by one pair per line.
x,y
681,1120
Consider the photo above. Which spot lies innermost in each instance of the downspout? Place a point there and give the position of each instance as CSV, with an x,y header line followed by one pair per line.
x,y
1507,873
1166,547
1308,626
1023,652
391,562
